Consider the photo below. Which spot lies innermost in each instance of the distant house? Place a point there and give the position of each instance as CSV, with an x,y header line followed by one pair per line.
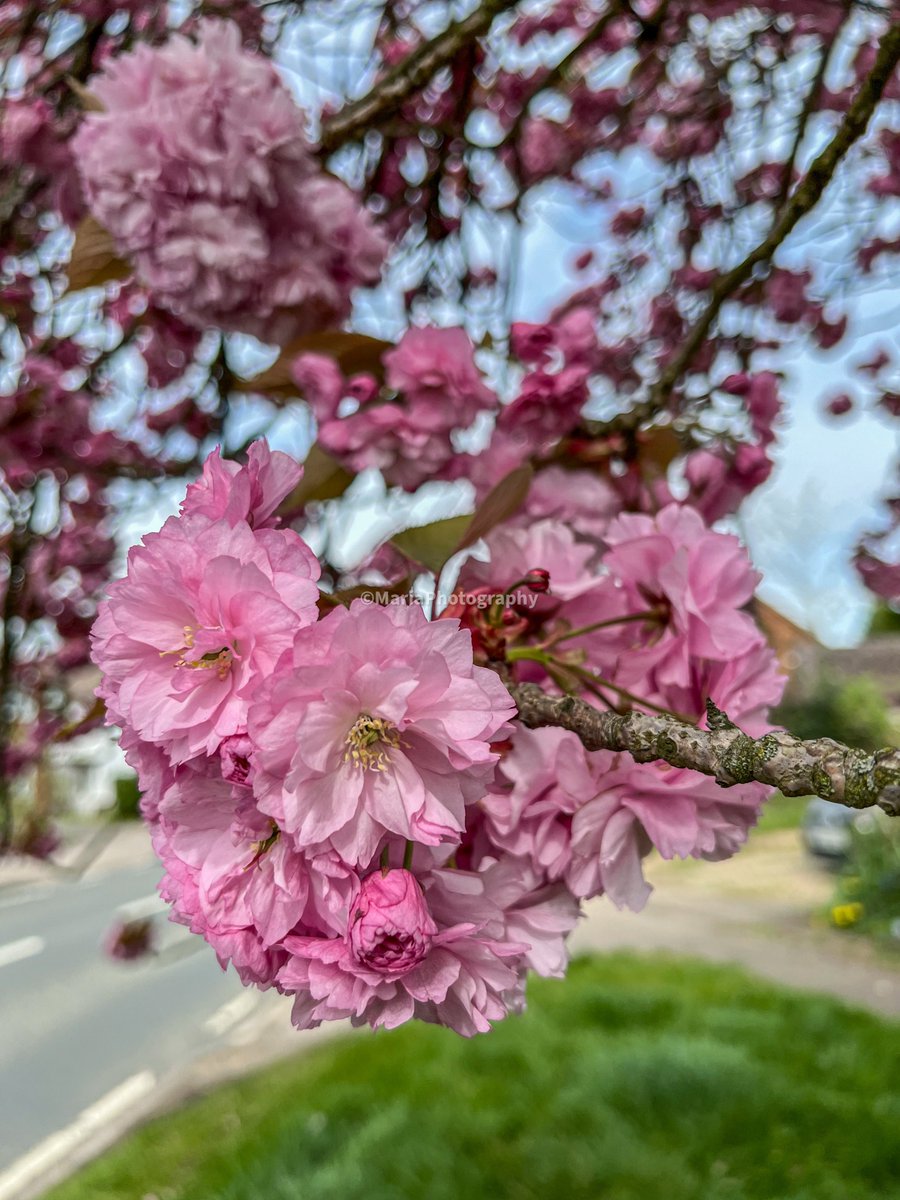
x,y
798,652
878,657
85,771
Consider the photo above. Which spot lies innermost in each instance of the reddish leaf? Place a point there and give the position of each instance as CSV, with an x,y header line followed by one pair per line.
x,y
353,353
329,600
90,720
94,260
89,102
659,447
323,479
502,502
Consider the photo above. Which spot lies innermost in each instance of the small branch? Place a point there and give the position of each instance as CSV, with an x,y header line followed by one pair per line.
x,y
797,768
413,73
802,201
560,71
809,106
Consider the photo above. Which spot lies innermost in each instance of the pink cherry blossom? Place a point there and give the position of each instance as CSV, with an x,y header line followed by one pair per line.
x,y
205,611
437,389
701,580
231,878
514,550
228,491
380,725
435,371
718,486
459,968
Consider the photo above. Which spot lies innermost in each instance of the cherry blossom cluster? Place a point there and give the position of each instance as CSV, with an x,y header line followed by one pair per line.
x,y
199,167
432,388
171,129
343,800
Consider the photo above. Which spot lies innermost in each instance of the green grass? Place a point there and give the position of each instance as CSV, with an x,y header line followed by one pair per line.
x,y
636,1079
782,812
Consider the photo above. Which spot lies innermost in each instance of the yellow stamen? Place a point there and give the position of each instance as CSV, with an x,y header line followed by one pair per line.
x,y
369,741
217,660
262,847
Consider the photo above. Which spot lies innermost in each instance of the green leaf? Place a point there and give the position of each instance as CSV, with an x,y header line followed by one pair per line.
x,y
431,545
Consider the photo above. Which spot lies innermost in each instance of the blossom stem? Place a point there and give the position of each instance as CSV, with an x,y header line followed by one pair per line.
x,y
650,614
539,655
408,855
601,681
528,654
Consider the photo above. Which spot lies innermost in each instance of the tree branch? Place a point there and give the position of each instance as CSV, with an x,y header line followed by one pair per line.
x,y
408,76
558,73
803,200
809,107
797,768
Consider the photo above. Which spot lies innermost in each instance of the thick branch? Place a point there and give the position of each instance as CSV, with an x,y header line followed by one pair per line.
x,y
802,201
797,768
413,73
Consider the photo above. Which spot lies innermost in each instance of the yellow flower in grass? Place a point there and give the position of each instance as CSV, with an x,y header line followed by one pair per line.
x,y
843,915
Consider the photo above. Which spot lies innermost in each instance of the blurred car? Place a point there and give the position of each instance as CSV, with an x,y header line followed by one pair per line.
x,y
827,830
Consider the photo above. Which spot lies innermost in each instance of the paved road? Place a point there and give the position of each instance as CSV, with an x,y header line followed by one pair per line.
x,y
75,1025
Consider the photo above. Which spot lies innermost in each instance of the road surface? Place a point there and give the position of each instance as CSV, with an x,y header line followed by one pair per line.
x,y
82,1036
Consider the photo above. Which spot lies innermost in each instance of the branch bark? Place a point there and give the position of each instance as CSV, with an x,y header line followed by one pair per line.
x,y
408,76
821,767
803,200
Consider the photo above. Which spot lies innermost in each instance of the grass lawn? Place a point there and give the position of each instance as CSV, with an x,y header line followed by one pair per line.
x,y
782,812
636,1079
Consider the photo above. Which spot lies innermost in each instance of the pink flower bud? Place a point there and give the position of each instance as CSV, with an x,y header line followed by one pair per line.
x,y
391,928
235,753
839,405
538,580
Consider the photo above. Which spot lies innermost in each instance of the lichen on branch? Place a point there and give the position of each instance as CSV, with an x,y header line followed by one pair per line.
x,y
819,767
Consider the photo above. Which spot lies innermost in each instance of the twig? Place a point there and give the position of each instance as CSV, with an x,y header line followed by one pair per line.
x,y
416,70
803,200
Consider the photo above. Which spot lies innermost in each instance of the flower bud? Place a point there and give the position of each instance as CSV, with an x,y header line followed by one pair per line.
x,y
390,927
538,580
839,405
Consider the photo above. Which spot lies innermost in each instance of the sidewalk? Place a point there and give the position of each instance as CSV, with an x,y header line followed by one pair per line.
x,y
756,910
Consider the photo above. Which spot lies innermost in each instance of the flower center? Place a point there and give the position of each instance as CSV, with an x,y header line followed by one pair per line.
x,y
217,659
261,848
369,741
